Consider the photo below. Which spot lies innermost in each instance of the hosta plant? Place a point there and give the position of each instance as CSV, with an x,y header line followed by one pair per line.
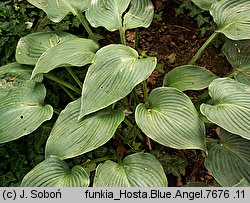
x,y
100,101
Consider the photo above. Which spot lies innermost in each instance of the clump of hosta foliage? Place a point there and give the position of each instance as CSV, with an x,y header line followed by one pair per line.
x,y
100,104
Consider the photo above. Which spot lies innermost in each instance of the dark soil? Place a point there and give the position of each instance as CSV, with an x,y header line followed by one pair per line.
x,y
174,40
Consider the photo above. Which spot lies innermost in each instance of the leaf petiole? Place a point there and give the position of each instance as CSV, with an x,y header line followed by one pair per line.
x,y
74,76
203,47
62,82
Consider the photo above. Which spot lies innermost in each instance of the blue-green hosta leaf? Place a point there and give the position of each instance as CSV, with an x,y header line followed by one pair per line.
x,y
204,4
75,52
15,72
242,183
171,119
53,172
58,9
231,107
116,70
189,77
136,170
140,14
71,137
229,160
107,13
22,110
238,54
31,47
243,77
232,18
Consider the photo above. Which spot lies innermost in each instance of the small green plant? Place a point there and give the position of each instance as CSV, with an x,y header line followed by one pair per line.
x,y
14,23
202,18
100,103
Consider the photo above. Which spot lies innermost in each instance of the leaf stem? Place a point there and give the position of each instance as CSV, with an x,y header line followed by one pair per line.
x,y
85,24
149,143
128,123
203,47
124,140
134,127
123,36
113,105
145,92
62,82
105,158
56,111
136,39
71,72
202,97
68,92
231,74
135,97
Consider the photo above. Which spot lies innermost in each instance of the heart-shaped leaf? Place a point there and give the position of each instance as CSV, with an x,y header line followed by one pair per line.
x,y
171,119
238,54
107,13
136,170
54,172
232,18
75,52
31,47
116,70
189,77
15,72
140,14
242,183
231,106
22,109
204,4
228,161
71,137
58,9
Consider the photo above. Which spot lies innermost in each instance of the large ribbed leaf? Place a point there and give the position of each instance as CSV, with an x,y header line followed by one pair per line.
x,y
140,14
54,172
231,106
22,109
71,137
58,9
238,54
15,72
171,119
107,13
229,160
136,170
232,18
75,52
31,47
204,4
189,77
116,70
